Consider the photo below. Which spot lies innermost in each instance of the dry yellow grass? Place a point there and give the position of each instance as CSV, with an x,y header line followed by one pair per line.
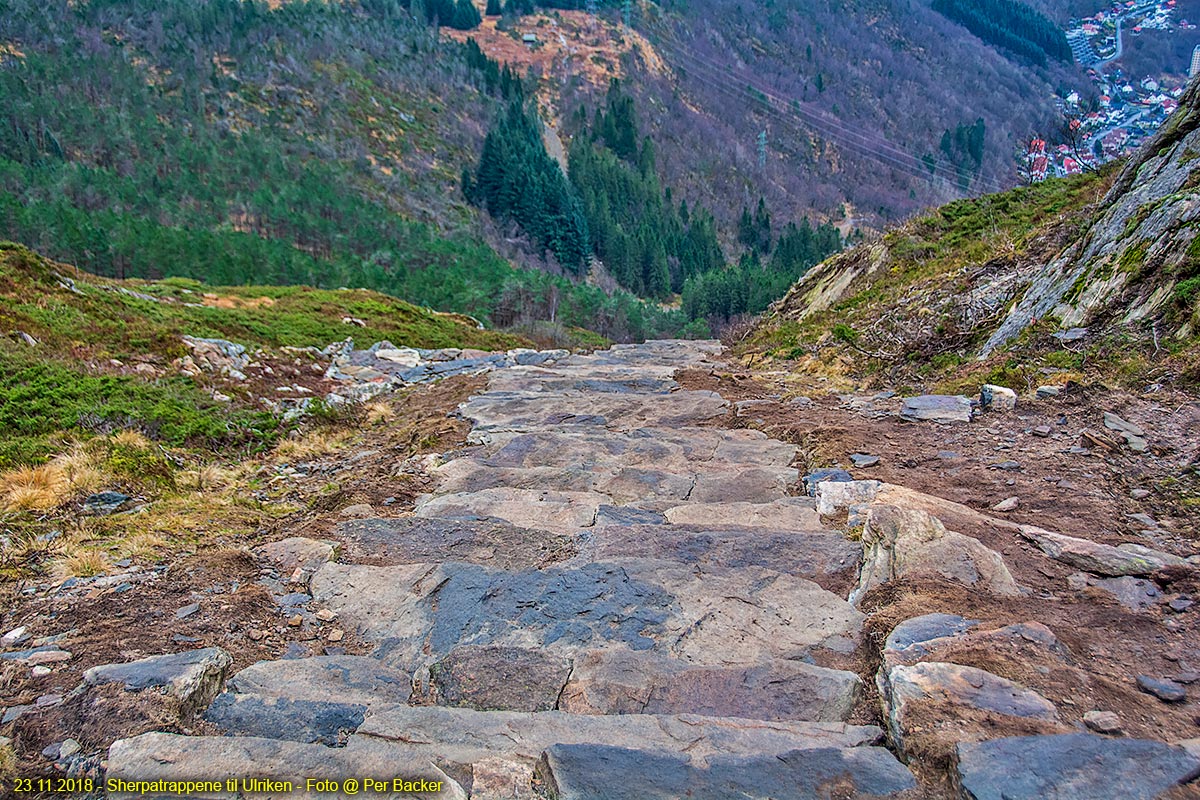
x,y
81,564
132,439
378,412
311,445
38,488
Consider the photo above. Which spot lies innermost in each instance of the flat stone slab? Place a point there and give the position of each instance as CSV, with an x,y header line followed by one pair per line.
x,y
670,449
194,677
296,552
786,514
756,485
628,682
824,557
169,757
603,772
1072,765
416,540
1101,559
327,722
526,411
547,510
499,678
459,735
343,679
939,408
418,613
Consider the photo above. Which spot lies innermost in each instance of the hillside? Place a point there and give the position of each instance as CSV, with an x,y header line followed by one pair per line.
x,y
85,356
1094,275
304,143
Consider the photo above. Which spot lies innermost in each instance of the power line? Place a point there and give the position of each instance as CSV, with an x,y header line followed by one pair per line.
x,y
872,147
883,158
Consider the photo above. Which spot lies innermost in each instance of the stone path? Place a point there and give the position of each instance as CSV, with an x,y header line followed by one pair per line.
x,y
601,600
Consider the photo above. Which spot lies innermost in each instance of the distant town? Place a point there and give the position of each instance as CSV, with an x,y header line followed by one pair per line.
x,y
1129,108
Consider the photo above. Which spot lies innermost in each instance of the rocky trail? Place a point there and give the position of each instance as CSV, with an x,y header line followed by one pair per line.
x,y
618,590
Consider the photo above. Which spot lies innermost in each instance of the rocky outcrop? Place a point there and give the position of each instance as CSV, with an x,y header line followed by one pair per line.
x,y
904,541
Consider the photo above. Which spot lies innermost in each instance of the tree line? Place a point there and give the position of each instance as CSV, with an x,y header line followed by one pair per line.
x,y
1010,25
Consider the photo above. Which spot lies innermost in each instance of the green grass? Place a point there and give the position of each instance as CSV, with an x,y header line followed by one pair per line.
x,y
66,387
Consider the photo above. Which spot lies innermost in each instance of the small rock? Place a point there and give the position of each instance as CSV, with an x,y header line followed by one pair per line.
x,y
68,748
48,700
357,511
1007,504
1167,691
104,503
51,751
863,460
14,637
1042,431
1007,466
1139,494
296,621
997,398
1102,722
47,657
39,672
336,635
326,615
1044,392
1180,604
187,611
817,476
256,635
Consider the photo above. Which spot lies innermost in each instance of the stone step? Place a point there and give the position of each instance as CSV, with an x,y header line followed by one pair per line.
x,y
825,557
417,613
605,772
544,509
530,411
640,486
170,757
680,450
464,736
426,540
470,750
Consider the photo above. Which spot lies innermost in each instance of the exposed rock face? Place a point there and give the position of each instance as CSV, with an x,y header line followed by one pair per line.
x,y
1124,263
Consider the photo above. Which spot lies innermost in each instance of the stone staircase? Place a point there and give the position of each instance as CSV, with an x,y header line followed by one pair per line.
x,y
603,599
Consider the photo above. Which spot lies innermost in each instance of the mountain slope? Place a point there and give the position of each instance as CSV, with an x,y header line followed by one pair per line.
x,y
83,355
986,284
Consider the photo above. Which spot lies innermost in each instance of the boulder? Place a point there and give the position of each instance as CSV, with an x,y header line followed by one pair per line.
x,y
900,541
1071,765
835,496
943,409
194,678
902,688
